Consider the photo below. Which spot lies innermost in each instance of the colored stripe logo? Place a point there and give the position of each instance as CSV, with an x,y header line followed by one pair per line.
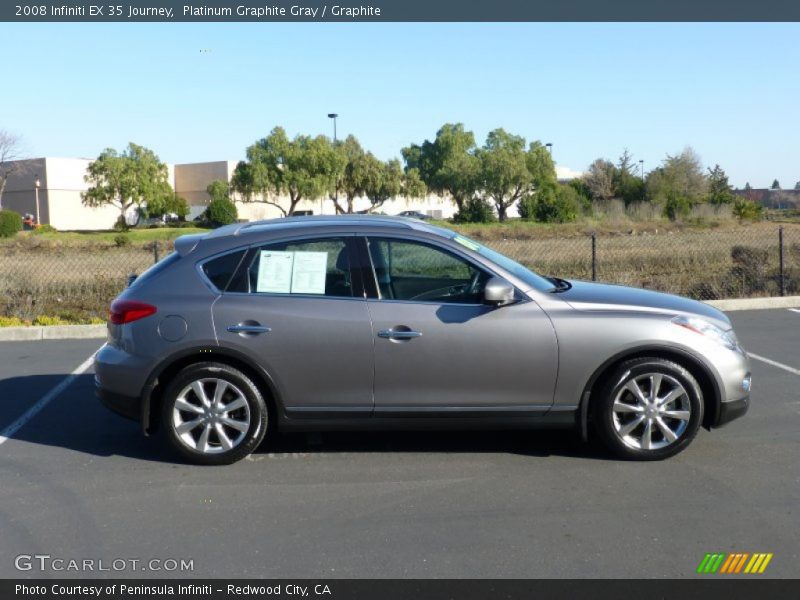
x,y
734,563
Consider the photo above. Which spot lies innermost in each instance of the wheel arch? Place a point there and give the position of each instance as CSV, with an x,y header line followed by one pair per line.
x,y
700,370
156,382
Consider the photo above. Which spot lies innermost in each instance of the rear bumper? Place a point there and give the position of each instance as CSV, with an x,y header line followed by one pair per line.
x,y
728,411
129,407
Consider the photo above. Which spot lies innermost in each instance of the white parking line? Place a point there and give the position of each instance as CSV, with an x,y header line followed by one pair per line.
x,y
797,310
42,402
774,363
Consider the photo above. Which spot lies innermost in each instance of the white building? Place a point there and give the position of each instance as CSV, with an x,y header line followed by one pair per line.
x,y
61,181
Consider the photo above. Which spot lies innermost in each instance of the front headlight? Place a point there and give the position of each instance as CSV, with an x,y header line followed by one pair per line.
x,y
703,327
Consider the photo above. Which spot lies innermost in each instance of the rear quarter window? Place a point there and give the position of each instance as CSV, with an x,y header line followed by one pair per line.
x,y
220,270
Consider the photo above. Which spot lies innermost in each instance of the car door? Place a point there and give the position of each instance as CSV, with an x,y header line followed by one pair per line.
x,y
297,308
437,345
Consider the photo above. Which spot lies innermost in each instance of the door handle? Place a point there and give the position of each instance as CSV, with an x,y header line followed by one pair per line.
x,y
391,334
242,328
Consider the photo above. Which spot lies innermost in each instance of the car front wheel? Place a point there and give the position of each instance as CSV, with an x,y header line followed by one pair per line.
x,y
213,414
648,409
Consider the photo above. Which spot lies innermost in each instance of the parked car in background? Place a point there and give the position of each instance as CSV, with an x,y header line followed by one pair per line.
x,y
365,322
415,214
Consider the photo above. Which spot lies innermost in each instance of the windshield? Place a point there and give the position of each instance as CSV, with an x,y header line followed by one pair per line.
x,y
535,280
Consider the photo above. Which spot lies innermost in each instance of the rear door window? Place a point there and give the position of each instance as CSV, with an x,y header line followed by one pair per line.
x,y
319,267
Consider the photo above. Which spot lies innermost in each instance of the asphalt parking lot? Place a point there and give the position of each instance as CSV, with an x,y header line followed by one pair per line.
x,y
81,483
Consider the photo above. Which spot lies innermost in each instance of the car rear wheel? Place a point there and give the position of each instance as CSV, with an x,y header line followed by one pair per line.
x,y
648,409
213,414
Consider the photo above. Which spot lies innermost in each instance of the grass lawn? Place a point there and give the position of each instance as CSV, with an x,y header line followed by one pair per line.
x,y
77,238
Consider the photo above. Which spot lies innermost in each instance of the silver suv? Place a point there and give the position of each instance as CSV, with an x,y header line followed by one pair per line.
x,y
370,322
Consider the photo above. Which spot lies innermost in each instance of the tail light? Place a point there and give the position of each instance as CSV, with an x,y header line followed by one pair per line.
x,y
127,311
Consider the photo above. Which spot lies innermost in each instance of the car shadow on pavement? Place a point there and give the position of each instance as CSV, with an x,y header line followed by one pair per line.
x,y
539,443
75,420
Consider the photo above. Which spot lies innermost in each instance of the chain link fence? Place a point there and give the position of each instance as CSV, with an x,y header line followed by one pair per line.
x,y
77,283
761,260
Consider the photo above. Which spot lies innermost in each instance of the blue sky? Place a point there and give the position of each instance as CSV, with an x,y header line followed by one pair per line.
x,y
731,91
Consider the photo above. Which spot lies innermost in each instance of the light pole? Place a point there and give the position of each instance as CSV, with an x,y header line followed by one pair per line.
x,y
336,189
333,116
36,185
641,170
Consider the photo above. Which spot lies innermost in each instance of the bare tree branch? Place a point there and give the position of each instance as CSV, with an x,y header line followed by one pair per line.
x,y
10,151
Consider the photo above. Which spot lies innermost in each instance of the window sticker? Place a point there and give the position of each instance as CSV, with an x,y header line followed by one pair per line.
x,y
309,271
467,243
275,272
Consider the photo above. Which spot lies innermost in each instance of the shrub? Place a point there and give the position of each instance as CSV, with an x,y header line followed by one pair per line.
x,y
10,223
677,207
746,209
221,211
475,210
121,240
12,322
45,320
44,229
560,204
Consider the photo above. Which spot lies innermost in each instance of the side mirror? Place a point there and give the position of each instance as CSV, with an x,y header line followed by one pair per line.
x,y
498,292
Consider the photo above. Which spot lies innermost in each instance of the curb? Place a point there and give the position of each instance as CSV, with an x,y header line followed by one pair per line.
x,y
53,332
756,303
85,332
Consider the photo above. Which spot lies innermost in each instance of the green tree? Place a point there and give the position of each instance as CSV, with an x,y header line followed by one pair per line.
x,y
678,184
797,185
475,210
413,186
171,204
719,190
303,168
504,174
448,165
219,189
628,185
775,185
382,180
221,209
354,167
552,204
134,177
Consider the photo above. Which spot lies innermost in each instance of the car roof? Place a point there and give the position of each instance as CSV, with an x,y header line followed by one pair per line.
x,y
312,221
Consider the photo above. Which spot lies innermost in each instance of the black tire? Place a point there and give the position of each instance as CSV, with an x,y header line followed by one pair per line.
x,y
611,424
238,386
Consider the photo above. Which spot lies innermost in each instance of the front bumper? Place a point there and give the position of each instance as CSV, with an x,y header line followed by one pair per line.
x,y
129,407
728,411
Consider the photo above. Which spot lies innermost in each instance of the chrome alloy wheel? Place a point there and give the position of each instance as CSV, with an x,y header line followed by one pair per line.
x,y
651,411
211,416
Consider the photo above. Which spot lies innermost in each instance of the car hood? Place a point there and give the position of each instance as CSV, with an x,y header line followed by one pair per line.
x,y
584,295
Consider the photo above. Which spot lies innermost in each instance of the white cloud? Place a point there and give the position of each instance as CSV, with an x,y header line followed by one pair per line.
x,y
563,172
